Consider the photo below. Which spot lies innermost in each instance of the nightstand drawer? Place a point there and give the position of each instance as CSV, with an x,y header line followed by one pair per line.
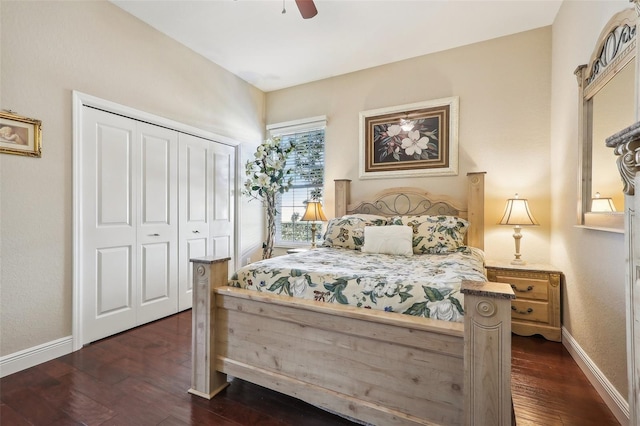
x,y
526,287
528,310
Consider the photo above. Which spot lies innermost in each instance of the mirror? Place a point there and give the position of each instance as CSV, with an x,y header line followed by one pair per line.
x,y
607,106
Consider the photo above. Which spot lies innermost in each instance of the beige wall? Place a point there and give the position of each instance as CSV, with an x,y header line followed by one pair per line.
x,y
518,122
593,261
512,127
504,88
48,50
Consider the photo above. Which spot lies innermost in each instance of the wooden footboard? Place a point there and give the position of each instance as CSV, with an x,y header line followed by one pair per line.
x,y
378,367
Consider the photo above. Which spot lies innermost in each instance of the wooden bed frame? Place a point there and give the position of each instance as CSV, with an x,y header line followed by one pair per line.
x,y
374,367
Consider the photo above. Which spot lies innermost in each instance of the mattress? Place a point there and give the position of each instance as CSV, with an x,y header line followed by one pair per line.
x,y
425,285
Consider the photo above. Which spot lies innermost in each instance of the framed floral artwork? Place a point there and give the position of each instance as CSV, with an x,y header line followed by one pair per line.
x,y
419,139
20,135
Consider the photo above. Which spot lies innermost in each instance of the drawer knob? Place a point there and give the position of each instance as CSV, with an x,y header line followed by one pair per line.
x,y
521,291
528,311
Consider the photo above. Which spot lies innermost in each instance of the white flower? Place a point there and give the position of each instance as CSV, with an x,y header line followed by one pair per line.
x,y
414,144
367,284
394,130
274,163
298,286
390,289
444,310
264,179
260,152
380,290
450,222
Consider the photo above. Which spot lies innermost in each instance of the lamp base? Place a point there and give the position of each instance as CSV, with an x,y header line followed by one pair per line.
x,y
313,235
517,236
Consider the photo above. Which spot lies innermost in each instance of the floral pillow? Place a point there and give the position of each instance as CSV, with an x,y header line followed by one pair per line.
x,y
435,234
348,231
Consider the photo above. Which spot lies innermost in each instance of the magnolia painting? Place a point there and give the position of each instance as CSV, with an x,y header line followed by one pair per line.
x,y
410,140
407,140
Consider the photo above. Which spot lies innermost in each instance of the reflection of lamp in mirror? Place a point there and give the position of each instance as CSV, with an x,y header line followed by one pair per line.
x,y
517,213
314,214
602,205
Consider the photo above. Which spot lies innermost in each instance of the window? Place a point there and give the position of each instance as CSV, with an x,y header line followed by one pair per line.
x,y
307,163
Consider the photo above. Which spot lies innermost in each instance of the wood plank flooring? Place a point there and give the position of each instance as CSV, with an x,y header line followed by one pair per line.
x,y
140,377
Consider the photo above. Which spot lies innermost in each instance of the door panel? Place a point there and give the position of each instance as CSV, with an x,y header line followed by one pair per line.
x,y
108,225
156,282
113,284
157,179
113,158
196,183
222,225
197,157
158,224
222,246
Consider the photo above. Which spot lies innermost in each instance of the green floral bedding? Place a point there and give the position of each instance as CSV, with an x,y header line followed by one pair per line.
x,y
425,285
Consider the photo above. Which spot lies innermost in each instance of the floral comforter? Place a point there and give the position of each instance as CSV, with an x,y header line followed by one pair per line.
x,y
426,285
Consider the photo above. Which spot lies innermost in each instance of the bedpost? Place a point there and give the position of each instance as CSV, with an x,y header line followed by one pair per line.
x,y
475,209
343,196
487,353
208,273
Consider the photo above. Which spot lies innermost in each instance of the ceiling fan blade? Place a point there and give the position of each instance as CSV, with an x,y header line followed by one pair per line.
x,y
307,8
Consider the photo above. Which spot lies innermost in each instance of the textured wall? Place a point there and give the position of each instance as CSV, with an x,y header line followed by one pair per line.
x,y
48,50
504,88
593,261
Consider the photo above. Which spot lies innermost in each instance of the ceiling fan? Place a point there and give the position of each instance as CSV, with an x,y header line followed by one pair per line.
x,y
306,7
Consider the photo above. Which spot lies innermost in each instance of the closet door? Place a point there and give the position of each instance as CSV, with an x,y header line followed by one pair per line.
x,y
206,207
109,224
130,223
196,186
157,237
222,226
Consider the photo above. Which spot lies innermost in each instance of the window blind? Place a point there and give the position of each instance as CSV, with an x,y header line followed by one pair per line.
x,y
307,164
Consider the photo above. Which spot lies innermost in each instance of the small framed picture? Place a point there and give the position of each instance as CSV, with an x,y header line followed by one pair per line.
x,y
20,135
419,139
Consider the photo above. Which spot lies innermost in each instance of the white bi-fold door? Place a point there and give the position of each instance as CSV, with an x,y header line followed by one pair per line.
x,y
206,206
152,198
129,217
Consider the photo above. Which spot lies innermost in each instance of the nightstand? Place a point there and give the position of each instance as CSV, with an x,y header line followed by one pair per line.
x,y
536,309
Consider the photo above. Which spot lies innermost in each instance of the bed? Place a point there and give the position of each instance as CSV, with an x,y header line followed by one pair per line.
x,y
389,365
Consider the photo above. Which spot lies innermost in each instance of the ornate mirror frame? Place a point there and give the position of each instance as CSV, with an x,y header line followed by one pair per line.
x,y
626,145
615,49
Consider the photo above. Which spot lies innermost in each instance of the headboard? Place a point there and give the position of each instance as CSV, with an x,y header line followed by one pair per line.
x,y
416,201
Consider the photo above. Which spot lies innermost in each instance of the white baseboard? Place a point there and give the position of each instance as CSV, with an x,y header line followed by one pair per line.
x,y
31,357
611,397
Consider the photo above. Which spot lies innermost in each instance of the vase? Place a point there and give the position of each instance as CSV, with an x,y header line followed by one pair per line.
x,y
267,246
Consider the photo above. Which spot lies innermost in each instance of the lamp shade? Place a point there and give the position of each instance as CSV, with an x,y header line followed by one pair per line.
x,y
602,205
517,212
314,212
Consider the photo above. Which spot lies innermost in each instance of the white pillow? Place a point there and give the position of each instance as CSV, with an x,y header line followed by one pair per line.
x,y
391,239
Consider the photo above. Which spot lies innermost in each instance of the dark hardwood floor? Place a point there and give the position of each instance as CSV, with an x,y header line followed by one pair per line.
x,y
140,377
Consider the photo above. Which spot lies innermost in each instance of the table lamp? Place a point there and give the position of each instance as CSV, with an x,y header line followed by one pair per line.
x,y
313,214
517,213
602,205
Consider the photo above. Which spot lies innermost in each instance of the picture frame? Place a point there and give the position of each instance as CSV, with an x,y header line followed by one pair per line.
x,y
20,135
418,139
